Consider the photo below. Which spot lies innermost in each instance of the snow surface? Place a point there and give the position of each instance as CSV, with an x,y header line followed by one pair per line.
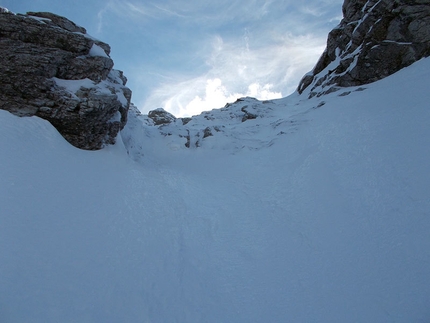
x,y
111,86
73,86
40,19
96,50
327,223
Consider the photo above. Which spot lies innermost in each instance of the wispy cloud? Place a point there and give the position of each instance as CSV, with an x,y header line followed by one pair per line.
x,y
135,11
169,12
114,7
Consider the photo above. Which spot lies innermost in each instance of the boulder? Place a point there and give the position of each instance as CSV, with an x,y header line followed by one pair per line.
x,y
50,68
375,39
161,116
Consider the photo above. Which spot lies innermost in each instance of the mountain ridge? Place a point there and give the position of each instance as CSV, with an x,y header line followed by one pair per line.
x,y
373,40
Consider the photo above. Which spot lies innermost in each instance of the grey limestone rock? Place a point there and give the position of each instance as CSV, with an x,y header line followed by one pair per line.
x,y
161,116
50,68
375,39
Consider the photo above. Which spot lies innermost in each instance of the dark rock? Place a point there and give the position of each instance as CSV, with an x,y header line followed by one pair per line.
x,y
188,137
247,115
50,68
374,39
207,132
345,93
58,21
161,116
185,120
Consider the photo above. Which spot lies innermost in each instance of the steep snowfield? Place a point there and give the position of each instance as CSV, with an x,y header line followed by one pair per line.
x,y
306,214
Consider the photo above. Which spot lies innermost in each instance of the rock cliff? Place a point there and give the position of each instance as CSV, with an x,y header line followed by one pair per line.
x,y
51,68
374,39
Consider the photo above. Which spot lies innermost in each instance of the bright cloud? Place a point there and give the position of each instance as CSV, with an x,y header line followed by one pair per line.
x,y
238,69
217,95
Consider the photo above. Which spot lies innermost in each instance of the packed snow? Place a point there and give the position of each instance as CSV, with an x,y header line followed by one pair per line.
x,y
314,211
96,50
111,86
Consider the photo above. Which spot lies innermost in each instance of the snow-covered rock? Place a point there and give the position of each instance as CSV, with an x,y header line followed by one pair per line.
x,y
161,116
247,124
50,67
375,39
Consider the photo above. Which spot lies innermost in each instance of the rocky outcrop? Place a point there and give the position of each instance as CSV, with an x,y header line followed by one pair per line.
x,y
375,39
50,68
160,116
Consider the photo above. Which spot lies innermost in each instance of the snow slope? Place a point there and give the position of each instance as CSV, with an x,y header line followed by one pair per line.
x,y
307,214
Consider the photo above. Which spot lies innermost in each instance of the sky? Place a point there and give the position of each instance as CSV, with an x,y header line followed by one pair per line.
x,y
189,56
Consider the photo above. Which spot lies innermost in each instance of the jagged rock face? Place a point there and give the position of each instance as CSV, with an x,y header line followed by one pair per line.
x,y
50,68
374,40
